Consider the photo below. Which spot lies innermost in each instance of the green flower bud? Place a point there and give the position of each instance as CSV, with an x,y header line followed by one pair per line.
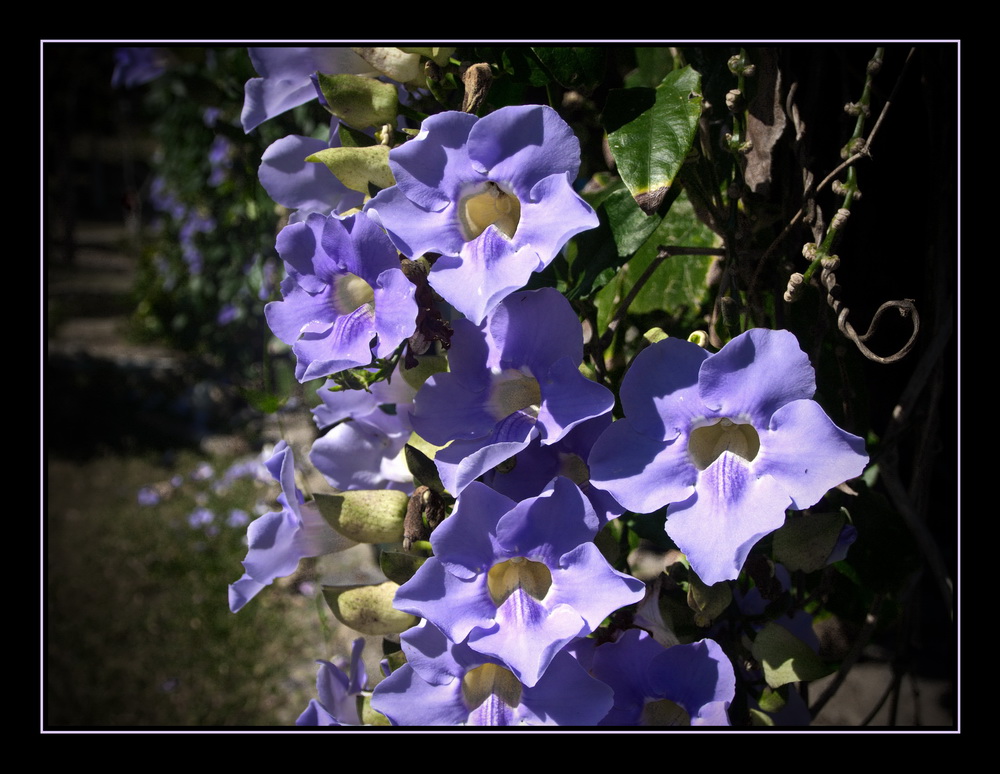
x,y
374,516
368,609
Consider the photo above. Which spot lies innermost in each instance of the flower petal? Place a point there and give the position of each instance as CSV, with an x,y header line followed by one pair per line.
x,y
489,268
524,143
660,391
755,374
729,512
641,473
832,457
432,168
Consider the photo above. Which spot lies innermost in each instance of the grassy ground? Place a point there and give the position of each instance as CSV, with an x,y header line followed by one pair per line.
x,y
138,631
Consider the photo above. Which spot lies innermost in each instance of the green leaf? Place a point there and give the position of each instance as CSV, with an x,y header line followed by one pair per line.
x,y
357,168
785,658
423,469
399,567
360,101
573,67
352,138
758,718
771,701
679,282
630,226
524,67
650,132
652,65
707,602
264,402
805,542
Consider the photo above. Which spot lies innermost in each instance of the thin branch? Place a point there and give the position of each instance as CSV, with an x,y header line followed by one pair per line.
x,y
662,255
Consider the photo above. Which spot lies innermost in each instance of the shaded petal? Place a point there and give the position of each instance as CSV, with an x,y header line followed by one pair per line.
x,y
462,462
641,473
729,512
569,398
356,455
515,326
286,83
566,696
807,454
454,605
301,247
299,308
755,374
303,185
274,550
338,405
523,144
464,542
241,592
547,526
432,168
414,229
592,587
360,247
321,351
265,98
395,310
432,655
316,715
445,409
409,700
699,677
660,391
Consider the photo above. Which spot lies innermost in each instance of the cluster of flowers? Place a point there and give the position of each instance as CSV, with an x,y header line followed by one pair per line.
x,y
513,602
204,487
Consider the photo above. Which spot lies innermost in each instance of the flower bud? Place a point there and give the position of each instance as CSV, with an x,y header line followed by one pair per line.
x,y
368,609
365,516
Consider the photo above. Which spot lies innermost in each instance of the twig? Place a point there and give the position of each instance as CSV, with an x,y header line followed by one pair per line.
x,y
662,254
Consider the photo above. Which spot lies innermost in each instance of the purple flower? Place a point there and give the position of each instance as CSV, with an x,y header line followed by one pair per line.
x,y
493,196
652,683
444,683
519,580
202,472
528,472
148,496
220,160
729,440
513,378
237,518
200,517
285,78
338,693
303,185
366,450
136,65
277,540
345,296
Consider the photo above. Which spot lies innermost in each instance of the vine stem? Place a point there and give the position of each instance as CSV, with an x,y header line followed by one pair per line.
x,y
864,152
662,255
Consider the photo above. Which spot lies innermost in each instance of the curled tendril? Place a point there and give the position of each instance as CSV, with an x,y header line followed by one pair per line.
x,y
906,308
